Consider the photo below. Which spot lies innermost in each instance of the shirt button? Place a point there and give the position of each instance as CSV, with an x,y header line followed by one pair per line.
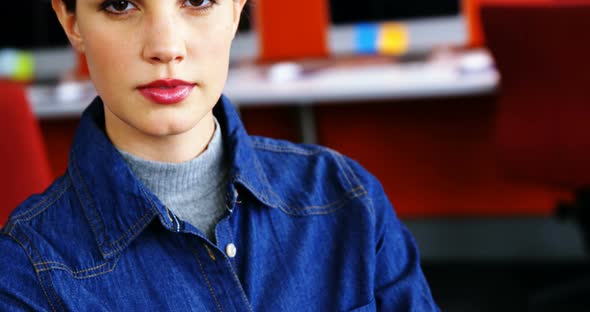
x,y
230,250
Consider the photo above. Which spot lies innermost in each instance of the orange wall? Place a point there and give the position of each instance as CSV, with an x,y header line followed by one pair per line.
x,y
285,34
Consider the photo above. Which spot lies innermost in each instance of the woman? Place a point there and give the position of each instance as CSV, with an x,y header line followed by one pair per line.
x,y
168,205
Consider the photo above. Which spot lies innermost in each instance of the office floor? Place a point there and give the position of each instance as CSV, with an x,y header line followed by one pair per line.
x,y
507,287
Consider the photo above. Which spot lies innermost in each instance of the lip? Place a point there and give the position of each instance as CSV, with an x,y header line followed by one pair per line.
x,y
166,91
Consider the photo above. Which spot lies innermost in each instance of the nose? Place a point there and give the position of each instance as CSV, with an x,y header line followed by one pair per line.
x,y
164,42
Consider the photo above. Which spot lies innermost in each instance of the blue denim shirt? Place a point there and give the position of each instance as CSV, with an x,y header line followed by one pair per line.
x,y
312,231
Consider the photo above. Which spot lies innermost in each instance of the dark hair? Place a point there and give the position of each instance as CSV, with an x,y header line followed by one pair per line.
x,y
70,5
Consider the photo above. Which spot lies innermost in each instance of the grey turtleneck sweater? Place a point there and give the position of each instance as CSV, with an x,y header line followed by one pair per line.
x,y
193,190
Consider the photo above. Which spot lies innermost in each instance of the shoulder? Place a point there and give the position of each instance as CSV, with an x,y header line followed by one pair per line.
x,y
13,256
20,289
313,179
308,162
41,223
41,206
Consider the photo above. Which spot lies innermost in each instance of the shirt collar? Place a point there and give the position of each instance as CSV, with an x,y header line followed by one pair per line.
x,y
118,207
245,167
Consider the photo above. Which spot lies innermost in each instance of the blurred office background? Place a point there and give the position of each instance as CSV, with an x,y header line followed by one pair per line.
x,y
472,113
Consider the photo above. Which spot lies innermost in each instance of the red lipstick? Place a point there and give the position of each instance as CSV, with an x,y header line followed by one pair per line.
x,y
166,91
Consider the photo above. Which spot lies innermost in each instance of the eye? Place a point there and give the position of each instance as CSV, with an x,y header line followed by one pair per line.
x,y
118,6
199,3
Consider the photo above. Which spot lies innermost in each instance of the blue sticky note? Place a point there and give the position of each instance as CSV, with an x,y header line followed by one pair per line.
x,y
366,38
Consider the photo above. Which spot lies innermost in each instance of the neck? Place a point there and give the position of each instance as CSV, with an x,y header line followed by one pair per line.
x,y
175,148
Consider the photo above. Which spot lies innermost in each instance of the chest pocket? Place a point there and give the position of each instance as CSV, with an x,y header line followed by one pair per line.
x,y
78,273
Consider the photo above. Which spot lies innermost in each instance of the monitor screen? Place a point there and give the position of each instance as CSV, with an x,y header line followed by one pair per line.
x,y
353,11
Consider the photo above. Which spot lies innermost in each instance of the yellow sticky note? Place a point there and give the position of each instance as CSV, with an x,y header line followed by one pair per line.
x,y
393,39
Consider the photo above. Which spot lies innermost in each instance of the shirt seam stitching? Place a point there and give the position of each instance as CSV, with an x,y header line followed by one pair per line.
x,y
322,212
337,157
206,279
40,209
126,234
102,227
356,179
338,203
95,218
121,246
42,206
76,274
293,210
38,273
284,149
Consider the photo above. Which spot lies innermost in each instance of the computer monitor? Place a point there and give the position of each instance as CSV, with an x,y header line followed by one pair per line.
x,y
427,24
424,24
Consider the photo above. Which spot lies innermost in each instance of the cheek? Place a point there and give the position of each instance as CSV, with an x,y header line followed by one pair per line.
x,y
213,38
209,52
215,46
104,61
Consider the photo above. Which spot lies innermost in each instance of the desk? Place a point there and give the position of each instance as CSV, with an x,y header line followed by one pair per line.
x,y
456,74
450,76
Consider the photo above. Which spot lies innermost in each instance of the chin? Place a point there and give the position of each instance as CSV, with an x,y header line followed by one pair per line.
x,y
161,121
163,128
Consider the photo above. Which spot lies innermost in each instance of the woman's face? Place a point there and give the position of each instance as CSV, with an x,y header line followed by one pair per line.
x,y
130,44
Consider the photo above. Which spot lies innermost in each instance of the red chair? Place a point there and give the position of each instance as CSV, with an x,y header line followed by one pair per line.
x,y
24,166
543,129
